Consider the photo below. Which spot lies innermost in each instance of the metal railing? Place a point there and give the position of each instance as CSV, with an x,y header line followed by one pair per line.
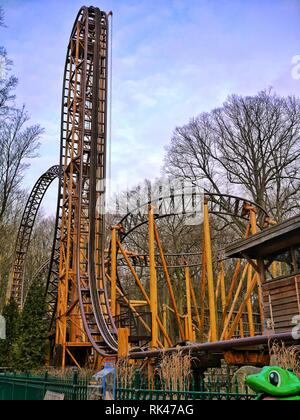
x,y
26,387
206,388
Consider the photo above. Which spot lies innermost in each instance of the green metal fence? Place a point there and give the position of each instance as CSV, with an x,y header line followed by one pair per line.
x,y
204,389
155,395
28,387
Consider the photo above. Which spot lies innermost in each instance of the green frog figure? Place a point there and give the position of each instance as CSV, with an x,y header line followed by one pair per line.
x,y
274,383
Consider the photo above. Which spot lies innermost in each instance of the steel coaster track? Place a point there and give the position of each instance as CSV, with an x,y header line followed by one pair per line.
x,y
16,288
219,204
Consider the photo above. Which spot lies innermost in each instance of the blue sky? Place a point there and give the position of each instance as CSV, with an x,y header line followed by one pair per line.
x,y
173,59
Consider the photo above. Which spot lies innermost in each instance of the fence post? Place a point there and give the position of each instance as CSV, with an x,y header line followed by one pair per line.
x,y
13,387
75,383
45,383
137,384
26,387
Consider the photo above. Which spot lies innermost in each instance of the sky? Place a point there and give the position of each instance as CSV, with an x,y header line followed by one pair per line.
x,y
172,60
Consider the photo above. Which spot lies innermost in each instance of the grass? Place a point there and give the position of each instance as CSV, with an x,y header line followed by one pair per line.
x,y
285,357
83,374
125,373
175,371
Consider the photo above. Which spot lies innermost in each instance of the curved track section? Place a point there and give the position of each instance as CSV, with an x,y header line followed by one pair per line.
x,y
25,231
219,204
82,295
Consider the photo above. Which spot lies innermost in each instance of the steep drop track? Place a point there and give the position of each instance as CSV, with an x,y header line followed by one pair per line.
x,y
81,207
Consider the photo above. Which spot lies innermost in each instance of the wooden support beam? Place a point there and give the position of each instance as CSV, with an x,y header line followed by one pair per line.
x,y
233,284
123,342
137,315
253,221
253,224
165,322
194,300
202,296
223,291
141,287
249,304
186,327
237,295
189,304
153,278
113,274
260,304
210,276
168,281
133,272
72,357
242,331
242,308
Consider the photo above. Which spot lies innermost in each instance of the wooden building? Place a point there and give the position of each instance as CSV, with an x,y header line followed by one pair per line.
x,y
275,253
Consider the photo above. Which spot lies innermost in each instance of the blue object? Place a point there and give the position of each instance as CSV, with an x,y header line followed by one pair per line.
x,y
107,380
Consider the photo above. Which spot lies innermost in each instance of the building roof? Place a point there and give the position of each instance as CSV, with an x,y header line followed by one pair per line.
x,y
268,241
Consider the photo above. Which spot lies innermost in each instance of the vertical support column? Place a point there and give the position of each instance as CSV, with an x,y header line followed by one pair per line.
x,y
210,276
186,327
165,322
253,222
123,342
202,296
189,304
249,304
168,280
242,332
223,291
153,279
113,274
253,226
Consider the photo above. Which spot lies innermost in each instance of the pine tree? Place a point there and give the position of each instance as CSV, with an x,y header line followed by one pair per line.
x,y
7,347
33,330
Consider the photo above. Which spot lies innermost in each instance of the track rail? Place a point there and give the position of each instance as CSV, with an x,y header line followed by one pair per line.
x,y
219,204
16,287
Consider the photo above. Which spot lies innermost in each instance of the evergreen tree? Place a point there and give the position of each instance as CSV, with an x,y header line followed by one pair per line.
x,y
7,347
33,329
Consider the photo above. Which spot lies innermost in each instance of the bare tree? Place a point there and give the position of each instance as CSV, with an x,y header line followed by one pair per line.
x,y
190,155
7,83
18,144
39,251
250,145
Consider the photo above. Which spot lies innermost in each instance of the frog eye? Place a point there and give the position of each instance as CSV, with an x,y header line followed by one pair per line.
x,y
275,379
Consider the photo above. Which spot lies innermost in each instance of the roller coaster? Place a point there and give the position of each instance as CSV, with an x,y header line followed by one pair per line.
x,y
112,287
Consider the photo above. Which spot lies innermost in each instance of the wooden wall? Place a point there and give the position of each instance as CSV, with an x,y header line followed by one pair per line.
x,y
281,303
